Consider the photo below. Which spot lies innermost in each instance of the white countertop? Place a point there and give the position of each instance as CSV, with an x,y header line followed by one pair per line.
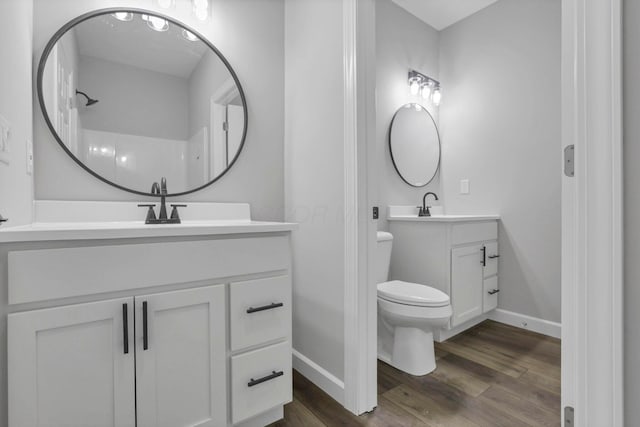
x,y
52,231
444,218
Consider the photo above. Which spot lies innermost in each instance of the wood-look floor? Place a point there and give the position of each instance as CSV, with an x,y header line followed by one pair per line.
x,y
493,375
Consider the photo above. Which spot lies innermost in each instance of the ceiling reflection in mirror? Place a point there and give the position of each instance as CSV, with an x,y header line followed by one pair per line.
x,y
134,97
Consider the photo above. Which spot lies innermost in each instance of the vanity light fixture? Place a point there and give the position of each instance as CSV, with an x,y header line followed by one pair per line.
x,y
123,16
188,35
428,87
201,9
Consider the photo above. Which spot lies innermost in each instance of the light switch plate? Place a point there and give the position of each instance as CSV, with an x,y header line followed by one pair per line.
x,y
29,157
5,140
464,186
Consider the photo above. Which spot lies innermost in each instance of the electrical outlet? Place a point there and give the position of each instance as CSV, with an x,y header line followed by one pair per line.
x,y
29,157
464,186
5,140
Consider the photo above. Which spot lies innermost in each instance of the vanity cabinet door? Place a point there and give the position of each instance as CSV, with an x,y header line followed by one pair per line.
x,y
466,283
72,366
181,358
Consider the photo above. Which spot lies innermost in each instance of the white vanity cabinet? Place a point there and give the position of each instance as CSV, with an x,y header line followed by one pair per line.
x,y
149,333
457,255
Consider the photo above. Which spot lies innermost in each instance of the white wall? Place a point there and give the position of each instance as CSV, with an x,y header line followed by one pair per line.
x,y
133,101
500,126
631,88
16,187
314,159
250,33
402,42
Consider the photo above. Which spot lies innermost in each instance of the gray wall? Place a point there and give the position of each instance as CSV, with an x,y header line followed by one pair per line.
x,y
133,101
500,126
631,88
204,81
250,33
402,42
16,187
314,177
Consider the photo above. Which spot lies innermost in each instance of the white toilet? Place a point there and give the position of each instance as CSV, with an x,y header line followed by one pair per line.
x,y
408,314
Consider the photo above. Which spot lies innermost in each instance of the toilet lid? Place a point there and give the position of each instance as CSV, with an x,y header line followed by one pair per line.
x,y
412,294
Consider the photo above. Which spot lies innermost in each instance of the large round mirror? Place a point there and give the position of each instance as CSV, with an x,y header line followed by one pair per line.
x,y
415,145
133,96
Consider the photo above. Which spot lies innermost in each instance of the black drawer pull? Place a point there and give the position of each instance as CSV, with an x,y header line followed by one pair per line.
x,y
145,329
265,307
494,291
494,256
125,327
273,375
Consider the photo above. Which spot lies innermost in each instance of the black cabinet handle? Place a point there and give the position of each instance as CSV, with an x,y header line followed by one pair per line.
x,y
265,307
494,291
484,256
125,327
494,256
273,375
145,331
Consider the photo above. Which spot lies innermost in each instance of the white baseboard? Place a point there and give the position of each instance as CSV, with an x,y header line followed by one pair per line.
x,y
319,376
544,327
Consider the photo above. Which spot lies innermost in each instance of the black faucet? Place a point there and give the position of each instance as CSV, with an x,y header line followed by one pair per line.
x,y
163,199
161,190
424,209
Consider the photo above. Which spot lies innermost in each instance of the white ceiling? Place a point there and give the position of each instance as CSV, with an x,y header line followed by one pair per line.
x,y
442,13
134,43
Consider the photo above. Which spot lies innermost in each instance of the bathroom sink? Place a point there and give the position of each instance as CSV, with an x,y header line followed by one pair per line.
x,y
64,220
410,213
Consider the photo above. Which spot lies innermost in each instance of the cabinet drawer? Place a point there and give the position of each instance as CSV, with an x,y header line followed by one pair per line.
x,y
490,295
474,232
260,380
260,311
491,262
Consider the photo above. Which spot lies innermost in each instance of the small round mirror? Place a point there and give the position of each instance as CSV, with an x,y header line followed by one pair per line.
x,y
414,143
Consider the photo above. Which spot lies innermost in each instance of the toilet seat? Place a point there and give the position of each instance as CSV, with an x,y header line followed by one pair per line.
x,y
414,294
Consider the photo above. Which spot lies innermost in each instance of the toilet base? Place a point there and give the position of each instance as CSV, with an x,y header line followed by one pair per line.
x,y
412,351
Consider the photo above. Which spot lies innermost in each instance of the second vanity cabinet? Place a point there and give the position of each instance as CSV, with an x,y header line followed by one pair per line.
x,y
203,340
458,256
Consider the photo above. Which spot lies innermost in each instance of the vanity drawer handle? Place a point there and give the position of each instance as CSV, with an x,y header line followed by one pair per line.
x,y
273,375
494,291
484,256
125,327
264,307
145,330
494,256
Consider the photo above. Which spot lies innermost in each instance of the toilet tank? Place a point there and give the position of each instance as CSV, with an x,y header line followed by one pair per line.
x,y
383,256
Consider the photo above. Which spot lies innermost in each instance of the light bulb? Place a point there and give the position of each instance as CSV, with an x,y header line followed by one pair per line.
x,y
123,16
165,4
436,97
415,87
201,9
426,91
188,35
157,24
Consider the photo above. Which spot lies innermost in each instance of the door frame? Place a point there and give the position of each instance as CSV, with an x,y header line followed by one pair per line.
x,y
592,248
592,213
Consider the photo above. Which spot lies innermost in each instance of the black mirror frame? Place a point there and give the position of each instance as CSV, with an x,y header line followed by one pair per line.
x,y
69,25
393,160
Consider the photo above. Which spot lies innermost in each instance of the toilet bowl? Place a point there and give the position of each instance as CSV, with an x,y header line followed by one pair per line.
x,y
408,314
